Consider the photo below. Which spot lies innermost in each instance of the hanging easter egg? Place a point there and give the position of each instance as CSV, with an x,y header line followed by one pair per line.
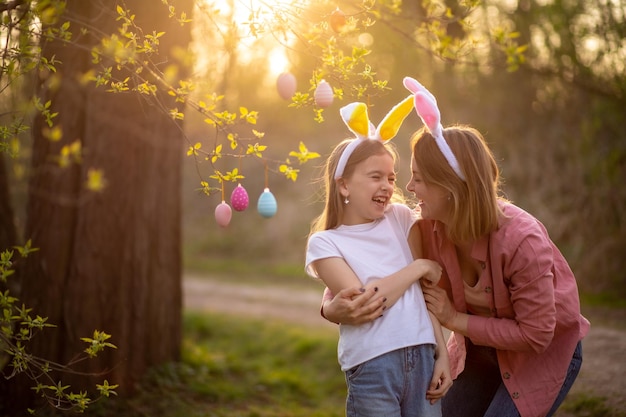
x,y
223,214
323,94
337,20
239,198
286,85
266,206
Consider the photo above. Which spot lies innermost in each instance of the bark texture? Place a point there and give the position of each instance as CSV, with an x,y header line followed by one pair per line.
x,y
108,261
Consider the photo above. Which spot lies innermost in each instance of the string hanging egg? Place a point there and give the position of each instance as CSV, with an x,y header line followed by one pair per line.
x,y
286,85
266,206
337,20
223,214
239,198
323,94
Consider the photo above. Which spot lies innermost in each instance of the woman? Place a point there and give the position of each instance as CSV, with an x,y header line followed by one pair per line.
x,y
506,291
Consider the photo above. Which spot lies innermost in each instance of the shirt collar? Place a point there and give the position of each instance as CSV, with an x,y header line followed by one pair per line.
x,y
479,247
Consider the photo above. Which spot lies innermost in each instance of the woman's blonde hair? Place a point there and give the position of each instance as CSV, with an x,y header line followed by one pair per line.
x,y
332,215
475,210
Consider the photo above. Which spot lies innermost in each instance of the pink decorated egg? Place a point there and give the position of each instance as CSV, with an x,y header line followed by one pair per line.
x,y
223,214
323,94
239,198
286,85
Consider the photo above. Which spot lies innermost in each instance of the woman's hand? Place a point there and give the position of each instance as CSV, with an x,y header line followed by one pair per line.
x,y
439,304
354,306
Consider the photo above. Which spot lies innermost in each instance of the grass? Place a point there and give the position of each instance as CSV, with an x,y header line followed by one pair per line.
x,y
245,272
589,406
234,367
241,368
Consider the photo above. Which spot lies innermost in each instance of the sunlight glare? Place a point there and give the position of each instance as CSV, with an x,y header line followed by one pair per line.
x,y
277,61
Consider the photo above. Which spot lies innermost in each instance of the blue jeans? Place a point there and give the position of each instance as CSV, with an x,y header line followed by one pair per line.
x,y
479,390
393,385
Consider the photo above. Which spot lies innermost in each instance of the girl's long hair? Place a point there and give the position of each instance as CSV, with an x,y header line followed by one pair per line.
x,y
475,210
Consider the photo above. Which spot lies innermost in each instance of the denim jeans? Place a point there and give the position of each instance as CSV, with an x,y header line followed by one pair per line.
x,y
393,385
479,390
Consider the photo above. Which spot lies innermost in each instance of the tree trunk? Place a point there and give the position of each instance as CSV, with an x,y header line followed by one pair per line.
x,y
108,261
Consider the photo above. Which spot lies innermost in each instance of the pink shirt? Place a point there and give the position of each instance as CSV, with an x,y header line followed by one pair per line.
x,y
536,321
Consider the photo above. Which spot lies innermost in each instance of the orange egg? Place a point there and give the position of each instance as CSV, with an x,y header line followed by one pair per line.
x,y
337,20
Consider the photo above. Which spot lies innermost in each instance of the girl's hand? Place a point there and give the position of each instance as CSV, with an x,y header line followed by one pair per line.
x,y
354,306
432,272
442,377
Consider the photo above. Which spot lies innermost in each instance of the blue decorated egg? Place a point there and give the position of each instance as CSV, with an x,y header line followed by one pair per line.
x,y
266,206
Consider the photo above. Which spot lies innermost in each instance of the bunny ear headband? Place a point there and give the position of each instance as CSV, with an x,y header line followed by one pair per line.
x,y
355,117
426,107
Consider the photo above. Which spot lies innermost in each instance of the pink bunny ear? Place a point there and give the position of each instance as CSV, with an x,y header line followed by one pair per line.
x,y
428,111
411,84
415,87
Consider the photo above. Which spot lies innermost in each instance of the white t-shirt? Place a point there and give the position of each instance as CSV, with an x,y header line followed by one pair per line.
x,y
376,250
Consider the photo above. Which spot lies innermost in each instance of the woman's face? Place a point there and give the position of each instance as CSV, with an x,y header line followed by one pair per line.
x,y
433,201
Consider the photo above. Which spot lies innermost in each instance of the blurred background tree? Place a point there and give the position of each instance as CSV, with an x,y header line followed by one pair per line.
x,y
544,81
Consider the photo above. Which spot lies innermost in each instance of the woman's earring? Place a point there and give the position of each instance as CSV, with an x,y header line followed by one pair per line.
x,y
449,197
345,200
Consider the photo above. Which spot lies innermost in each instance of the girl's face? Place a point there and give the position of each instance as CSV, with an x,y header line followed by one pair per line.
x,y
368,190
432,200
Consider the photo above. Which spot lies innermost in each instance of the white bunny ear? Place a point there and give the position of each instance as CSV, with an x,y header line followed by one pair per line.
x,y
355,116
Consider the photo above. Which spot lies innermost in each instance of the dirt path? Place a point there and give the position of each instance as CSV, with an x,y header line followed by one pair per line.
x,y
603,373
